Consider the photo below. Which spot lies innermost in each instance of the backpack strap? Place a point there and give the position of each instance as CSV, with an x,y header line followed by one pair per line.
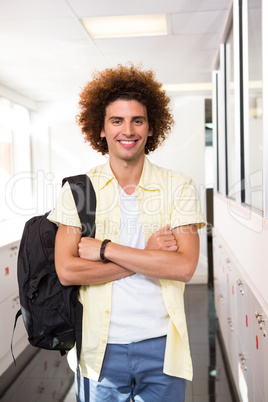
x,y
78,337
85,200
19,313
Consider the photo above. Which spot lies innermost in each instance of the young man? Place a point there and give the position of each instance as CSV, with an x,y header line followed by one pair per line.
x,y
132,275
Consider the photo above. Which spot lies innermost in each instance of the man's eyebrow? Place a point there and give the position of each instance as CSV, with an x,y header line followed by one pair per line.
x,y
115,117
122,118
139,117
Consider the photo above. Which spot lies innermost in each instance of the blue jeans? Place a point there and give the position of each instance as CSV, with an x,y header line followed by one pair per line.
x,y
133,370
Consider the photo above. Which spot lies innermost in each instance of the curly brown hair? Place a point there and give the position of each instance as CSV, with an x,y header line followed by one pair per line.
x,y
124,83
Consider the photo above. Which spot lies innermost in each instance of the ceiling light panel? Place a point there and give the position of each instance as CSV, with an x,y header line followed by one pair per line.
x,y
189,87
125,26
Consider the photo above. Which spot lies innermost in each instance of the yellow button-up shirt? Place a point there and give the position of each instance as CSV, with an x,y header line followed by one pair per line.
x,y
164,197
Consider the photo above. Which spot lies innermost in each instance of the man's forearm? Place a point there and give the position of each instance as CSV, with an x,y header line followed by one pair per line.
x,y
154,263
77,271
74,270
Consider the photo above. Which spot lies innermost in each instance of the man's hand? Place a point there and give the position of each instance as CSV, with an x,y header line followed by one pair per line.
x,y
162,240
89,249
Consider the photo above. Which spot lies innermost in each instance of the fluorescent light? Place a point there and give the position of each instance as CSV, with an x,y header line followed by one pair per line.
x,y
251,85
126,26
255,84
189,87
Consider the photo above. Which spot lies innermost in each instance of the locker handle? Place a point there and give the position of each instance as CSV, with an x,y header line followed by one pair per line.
x,y
242,357
260,319
239,282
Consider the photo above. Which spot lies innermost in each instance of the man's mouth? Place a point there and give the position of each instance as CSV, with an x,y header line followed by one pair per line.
x,y
125,142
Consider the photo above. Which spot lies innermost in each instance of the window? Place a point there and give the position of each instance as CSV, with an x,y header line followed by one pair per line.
x,y
215,128
209,178
221,132
253,114
15,160
5,139
231,132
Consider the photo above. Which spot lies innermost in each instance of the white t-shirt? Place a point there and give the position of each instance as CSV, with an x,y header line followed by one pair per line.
x,y
138,310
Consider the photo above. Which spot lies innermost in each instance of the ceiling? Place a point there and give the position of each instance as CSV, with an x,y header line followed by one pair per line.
x,y
46,54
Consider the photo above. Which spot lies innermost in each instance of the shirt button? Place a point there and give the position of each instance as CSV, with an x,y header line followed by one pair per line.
x,y
103,341
107,311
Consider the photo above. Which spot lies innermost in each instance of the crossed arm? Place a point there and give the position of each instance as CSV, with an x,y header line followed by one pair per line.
x,y
168,255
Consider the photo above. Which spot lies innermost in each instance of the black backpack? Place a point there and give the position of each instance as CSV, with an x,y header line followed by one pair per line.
x,y
51,312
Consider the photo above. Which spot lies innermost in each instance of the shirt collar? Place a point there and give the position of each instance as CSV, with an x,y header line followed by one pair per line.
x,y
149,179
106,175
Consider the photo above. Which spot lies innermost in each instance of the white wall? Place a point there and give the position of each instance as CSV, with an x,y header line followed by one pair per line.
x,y
184,151
16,187
58,150
16,97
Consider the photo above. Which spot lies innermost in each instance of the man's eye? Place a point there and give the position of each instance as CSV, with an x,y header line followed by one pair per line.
x,y
116,122
138,122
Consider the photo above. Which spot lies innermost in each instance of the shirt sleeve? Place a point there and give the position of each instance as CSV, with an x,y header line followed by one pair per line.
x,y
186,207
65,211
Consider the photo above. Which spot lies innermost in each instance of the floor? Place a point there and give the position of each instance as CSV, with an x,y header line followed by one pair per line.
x,y
47,377
211,382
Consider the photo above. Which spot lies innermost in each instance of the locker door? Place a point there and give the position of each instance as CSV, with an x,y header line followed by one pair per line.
x,y
232,345
216,272
220,294
258,344
265,359
8,270
244,325
8,310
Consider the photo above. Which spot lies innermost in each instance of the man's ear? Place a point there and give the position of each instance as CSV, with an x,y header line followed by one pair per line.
x,y
150,133
102,134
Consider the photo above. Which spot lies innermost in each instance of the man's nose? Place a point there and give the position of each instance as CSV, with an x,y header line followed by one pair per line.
x,y
128,128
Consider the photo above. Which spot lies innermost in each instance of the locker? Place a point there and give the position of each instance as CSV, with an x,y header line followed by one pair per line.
x,y
8,270
220,292
9,305
8,310
243,322
244,328
231,311
258,344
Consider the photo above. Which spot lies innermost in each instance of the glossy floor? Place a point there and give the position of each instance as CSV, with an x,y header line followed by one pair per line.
x,y
211,382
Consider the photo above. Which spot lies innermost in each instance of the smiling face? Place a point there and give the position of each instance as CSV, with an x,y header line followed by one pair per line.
x,y
126,129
